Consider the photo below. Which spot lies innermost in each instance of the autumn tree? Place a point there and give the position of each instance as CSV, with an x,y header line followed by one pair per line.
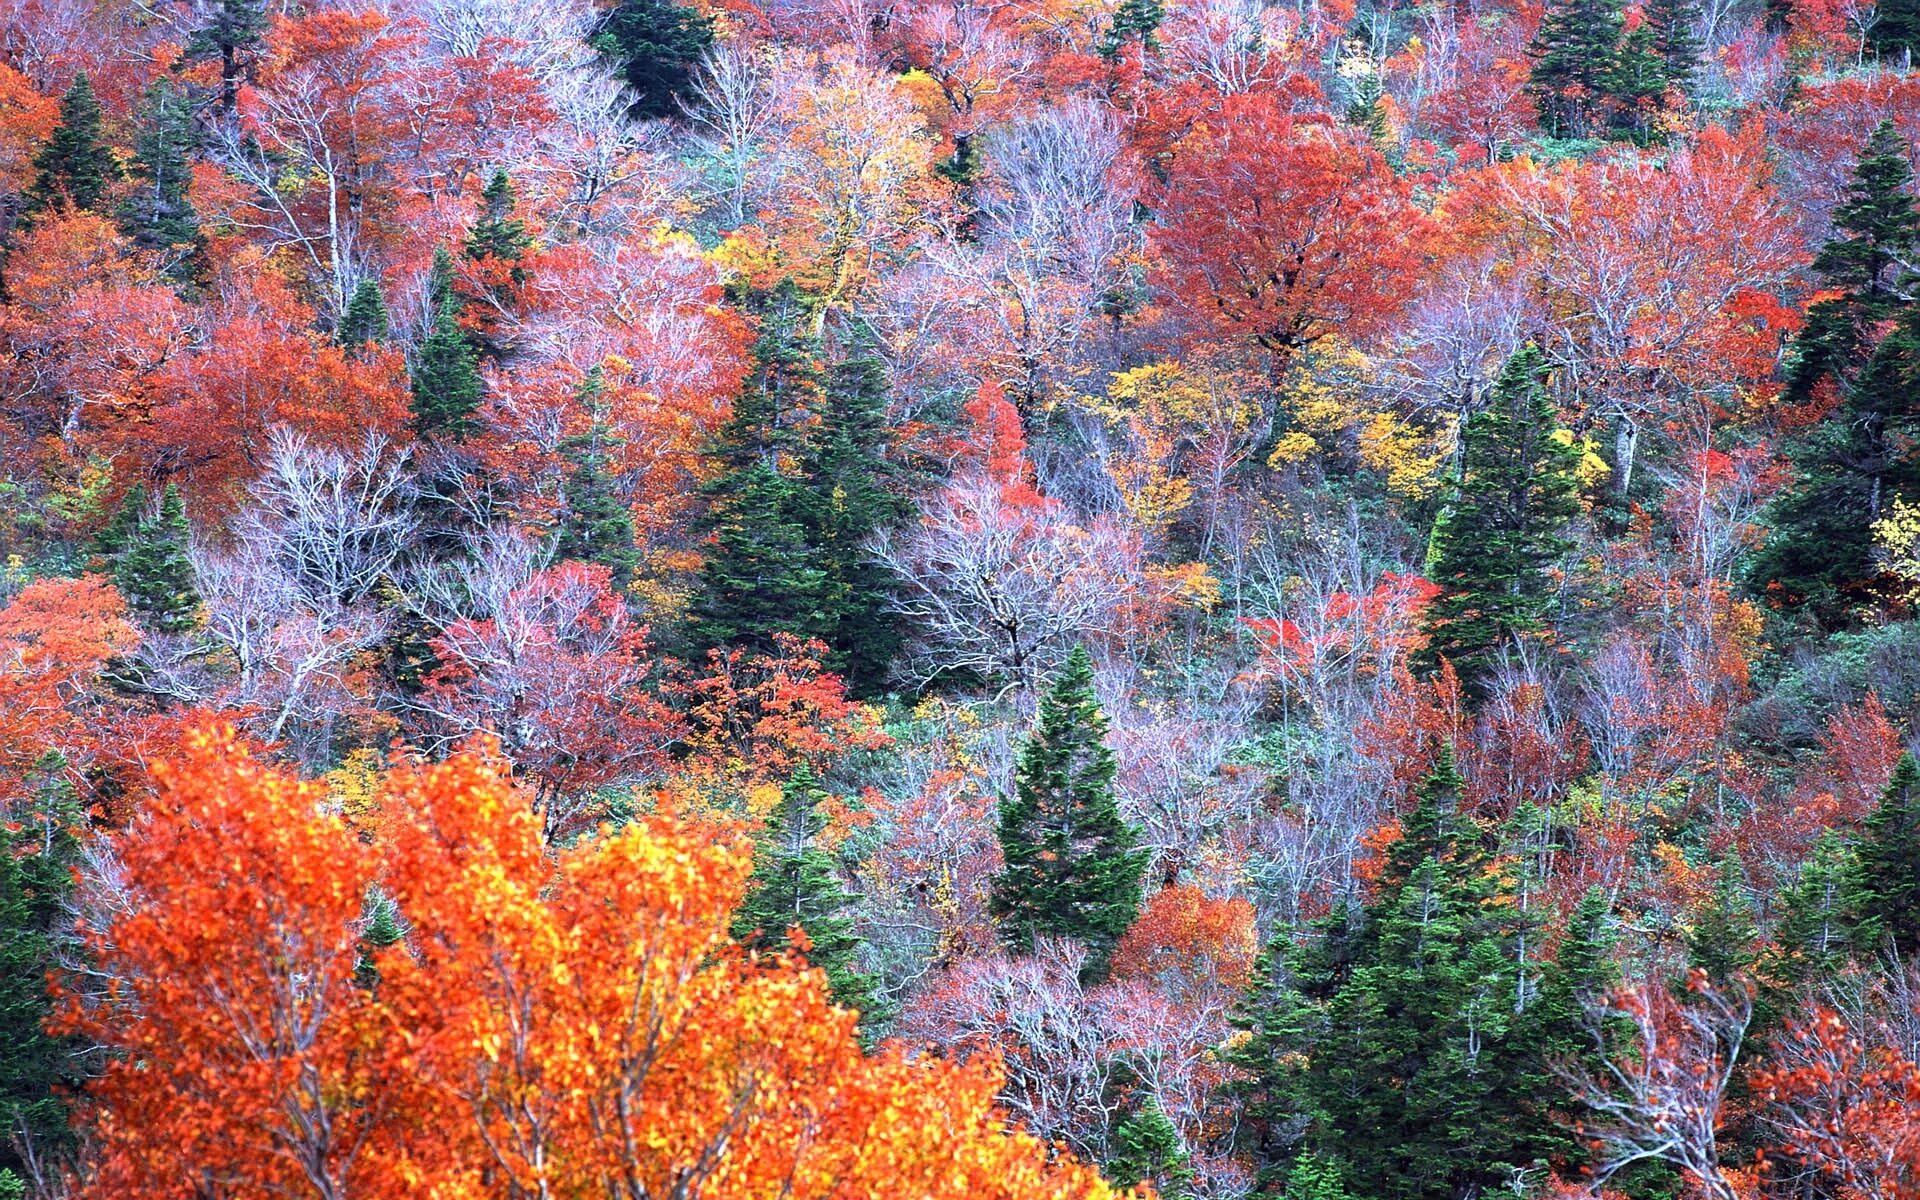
x,y
1072,867
1494,542
75,167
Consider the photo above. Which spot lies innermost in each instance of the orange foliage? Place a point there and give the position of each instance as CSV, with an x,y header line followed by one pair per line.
x,y
1187,938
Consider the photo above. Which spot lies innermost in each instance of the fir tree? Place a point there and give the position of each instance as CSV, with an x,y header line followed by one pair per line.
x,y
1672,23
1896,34
1723,938
760,576
231,35
1574,64
1556,1024
597,526
1317,1177
447,387
122,528
1134,20
75,167
158,215
383,929
1365,110
498,234
1491,548
154,573
1147,1149
658,44
1637,85
1073,866
794,884
365,319
1883,894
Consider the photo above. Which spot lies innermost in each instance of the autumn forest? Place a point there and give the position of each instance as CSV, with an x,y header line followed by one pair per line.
x,y
949,599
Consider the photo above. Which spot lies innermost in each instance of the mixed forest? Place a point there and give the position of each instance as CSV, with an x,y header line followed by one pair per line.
x,y
1043,599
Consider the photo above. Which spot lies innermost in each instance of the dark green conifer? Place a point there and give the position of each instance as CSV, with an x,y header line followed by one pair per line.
x,y
1134,20
1317,1177
498,234
122,528
597,526
761,576
1723,940
1147,1149
1492,546
659,45
1073,863
232,34
1884,890
1673,23
447,387
1895,35
1637,86
365,319
1574,65
154,573
158,214
75,167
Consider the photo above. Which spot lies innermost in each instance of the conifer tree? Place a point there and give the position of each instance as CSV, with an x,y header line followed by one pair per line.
x,y
1637,85
597,526
1895,35
447,387
1723,939
1556,1024
383,929
1574,64
158,214
794,884
1317,1177
498,234
231,35
658,44
1148,1149
154,573
760,576
1134,19
1672,23
1883,894
75,167
1072,863
365,319
122,528
1491,548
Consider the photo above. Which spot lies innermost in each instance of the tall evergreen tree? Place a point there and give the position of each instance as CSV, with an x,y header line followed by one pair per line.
x,y
1148,1149
1073,863
760,576
122,528
1673,23
1574,64
1637,85
1517,491
158,215
154,573
365,319
1723,940
75,167
1883,894
498,234
658,44
1556,1024
597,525
1895,36
1134,20
447,387
794,884
232,34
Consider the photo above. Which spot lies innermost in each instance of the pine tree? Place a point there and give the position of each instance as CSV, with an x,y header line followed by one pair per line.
x,y
155,574
794,884
1317,1177
1883,894
1637,85
658,44
1134,19
365,319
1723,939
231,35
158,215
1148,1149
447,387
36,879
597,526
75,167
1573,64
1673,23
122,528
1073,866
1518,489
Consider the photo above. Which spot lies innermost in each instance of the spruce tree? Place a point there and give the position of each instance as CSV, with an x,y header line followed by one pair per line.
x,y
1556,1024
1672,23
597,526
1883,893
1637,85
794,884
231,35
447,387
760,575
1147,1149
1518,489
658,45
1072,862
1574,64
158,214
1134,20
1317,1177
122,528
1895,36
1723,940
154,573
498,234
365,319
75,167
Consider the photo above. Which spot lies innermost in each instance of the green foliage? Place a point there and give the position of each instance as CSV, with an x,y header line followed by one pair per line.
x,y
158,214
498,234
1133,20
75,167
1723,939
1574,63
1147,1149
1884,892
794,884
447,387
658,44
234,29
1073,866
153,571
1492,546
1317,1177
597,526
761,575
1673,23
366,317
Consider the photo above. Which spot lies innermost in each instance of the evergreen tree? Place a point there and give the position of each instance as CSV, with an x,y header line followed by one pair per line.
x,y
365,319
447,387
1672,23
1723,938
1637,85
794,884
1517,491
383,929
658,44
1573,64
75,167
231,35
1896,34
1366,110
1317,1177
158,215
122,529
1147,1149
1556,1024
498,234
1134,19
1073,866
36,879
154,573
597,526
1883,894
761,576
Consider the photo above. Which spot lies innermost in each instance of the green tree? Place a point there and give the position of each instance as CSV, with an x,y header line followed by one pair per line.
x,y
1673,23
447,387
1723,940
1896,34
498,234
232,34
154,573
1134,20
122,528
597,525
1637,85
760,576
75,167
1556,1023
1573,64
658,45
158,214
366,317
794,884
1147,1149
1317,1177
1073,863
1517,491
1884,891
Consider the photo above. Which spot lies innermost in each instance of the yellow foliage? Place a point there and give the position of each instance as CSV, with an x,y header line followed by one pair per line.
x,y
355,786
1329,414
1896,540
1592,468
